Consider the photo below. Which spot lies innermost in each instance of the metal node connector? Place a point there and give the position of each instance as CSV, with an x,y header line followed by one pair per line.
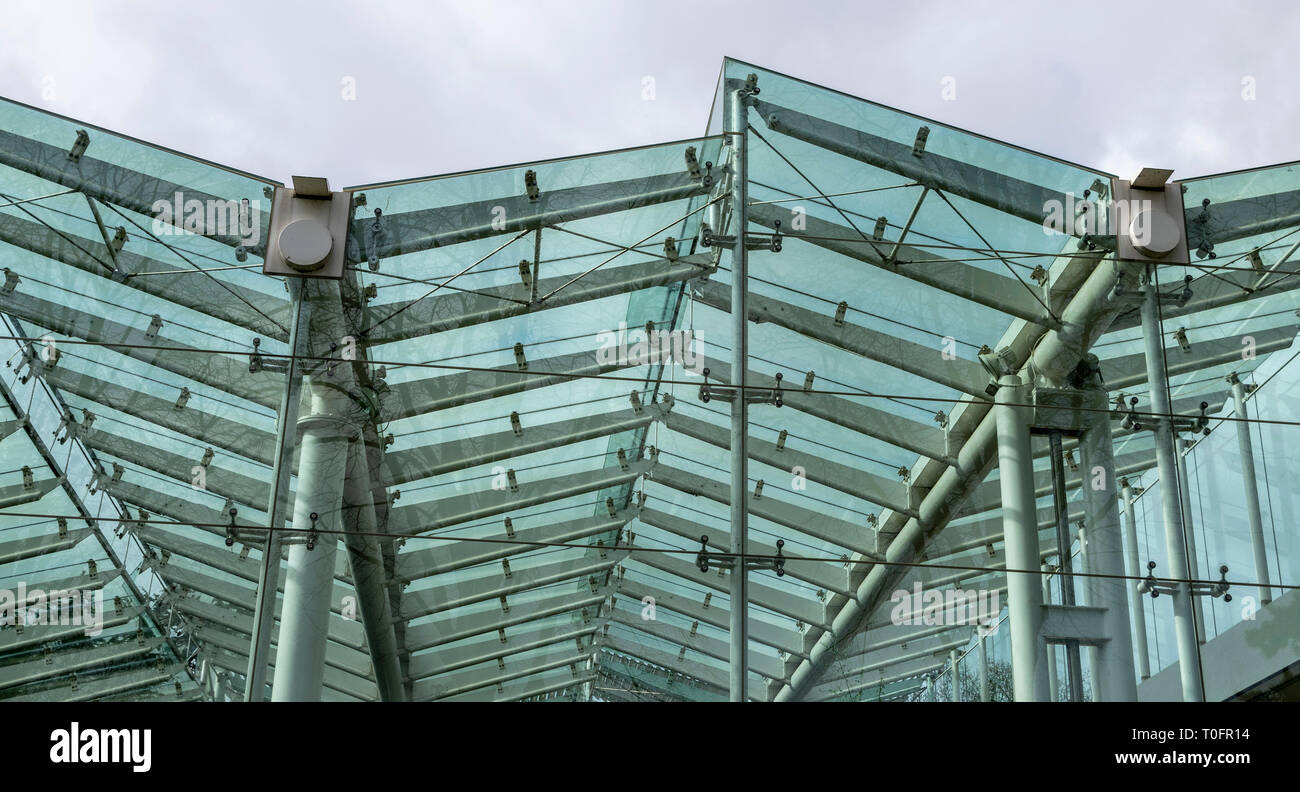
x,y
232,531
727,393
706,561
1155,587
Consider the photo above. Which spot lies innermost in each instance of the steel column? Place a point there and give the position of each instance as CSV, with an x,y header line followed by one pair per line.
x,y
323,449
1020,532
1248,480
956,687
1189,661
739,112
1112,662
368,574
304,620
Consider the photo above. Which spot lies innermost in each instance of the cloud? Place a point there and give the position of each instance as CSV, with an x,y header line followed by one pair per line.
x,y
464,85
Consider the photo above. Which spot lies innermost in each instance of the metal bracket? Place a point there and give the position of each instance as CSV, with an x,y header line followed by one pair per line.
x,y
11,281
1178,423
374,231
312,536
79,145
727,393
918,145
753,241
257,363
232,530
705,176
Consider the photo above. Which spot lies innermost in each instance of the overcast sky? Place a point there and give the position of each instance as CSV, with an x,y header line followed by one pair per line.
x,y
1201,87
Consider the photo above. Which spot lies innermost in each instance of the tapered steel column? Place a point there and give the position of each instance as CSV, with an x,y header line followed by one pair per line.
x,y
1189,661
286,435
1189,531
1112,662
368,574
1135,598
1020,538
1248,480
325,432
309,584
739,628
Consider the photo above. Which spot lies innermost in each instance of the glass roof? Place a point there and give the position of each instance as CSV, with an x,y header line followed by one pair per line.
x,y
541,496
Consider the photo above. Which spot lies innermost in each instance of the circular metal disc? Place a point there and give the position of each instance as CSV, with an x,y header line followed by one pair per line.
x,y
305,244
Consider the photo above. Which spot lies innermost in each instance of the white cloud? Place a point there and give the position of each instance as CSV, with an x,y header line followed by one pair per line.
x,y
1199,142
473,84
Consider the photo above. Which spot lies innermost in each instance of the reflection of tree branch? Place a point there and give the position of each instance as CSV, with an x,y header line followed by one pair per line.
x,y
1001,686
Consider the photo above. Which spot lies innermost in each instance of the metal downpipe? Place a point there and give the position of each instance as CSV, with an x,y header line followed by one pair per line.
x,y
739,589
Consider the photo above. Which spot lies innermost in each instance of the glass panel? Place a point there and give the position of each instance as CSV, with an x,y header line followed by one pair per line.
x,y
558,459
501,412
133,410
